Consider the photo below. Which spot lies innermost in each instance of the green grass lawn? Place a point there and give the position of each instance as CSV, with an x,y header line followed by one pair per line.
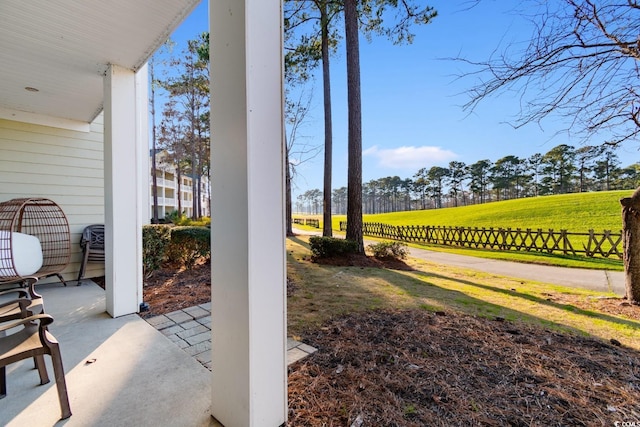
x,y
323,292
578,212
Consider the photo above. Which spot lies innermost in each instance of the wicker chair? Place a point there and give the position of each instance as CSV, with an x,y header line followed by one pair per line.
x,y
34,239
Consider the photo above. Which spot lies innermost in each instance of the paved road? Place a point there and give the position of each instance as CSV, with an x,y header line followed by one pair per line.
x,y
598,280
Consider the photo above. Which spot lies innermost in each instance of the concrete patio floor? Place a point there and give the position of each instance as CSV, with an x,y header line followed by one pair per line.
x,y
120,372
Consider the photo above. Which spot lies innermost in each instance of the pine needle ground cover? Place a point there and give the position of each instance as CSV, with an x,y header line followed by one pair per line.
x,y
415,368
436,345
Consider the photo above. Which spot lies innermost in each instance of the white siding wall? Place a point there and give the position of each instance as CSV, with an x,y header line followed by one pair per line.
x,y
62,165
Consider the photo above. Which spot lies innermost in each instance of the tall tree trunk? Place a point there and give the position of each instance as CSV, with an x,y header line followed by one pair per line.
x,y
354,173
209,194
154,168
179,189
194,183
199,196
154,188
328,132
631,244
288,207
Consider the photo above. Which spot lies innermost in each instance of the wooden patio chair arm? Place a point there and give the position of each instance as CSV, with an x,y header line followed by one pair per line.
x,y
32,286
26,282
22,302
22,293
44,320
18,281
27,307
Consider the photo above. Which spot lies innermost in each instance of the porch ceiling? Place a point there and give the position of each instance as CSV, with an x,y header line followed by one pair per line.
x,y
63,48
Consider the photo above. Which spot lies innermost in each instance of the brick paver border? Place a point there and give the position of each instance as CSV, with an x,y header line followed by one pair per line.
x,y
190,329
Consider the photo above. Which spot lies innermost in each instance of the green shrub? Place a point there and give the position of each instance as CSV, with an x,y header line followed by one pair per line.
x,y
205,221
181,219
177,218
188,244
397,250
326,247
155,240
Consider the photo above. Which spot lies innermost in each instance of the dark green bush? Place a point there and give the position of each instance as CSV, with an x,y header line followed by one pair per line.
x,y
397,250
176,218
188,244
326,247
155,240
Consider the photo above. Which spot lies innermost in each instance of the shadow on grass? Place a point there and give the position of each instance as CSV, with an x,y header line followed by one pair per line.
x,y
338,290
538,300
299,241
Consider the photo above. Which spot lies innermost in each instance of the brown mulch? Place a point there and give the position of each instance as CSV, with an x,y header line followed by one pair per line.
x,y
613,306
415,368
170,288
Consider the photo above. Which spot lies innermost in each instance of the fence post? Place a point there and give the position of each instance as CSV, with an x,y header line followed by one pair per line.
x,y
496,238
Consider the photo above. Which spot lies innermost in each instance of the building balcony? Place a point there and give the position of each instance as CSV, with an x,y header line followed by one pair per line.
x,y
163,183
164,201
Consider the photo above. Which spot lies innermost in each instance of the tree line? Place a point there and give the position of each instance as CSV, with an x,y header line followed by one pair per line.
x,y
563,169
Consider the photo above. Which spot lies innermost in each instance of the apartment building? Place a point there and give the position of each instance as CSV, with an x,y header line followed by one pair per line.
x,y
171,190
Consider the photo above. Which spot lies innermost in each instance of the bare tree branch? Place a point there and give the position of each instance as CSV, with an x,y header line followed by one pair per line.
x,y
581,63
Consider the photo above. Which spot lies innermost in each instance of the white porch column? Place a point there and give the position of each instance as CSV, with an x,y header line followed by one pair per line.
x,y
248,247
123,137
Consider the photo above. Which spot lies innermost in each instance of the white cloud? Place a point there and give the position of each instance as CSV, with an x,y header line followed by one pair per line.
x,y
410,157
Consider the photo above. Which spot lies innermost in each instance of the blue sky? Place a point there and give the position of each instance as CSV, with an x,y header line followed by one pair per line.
x,y
412,114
